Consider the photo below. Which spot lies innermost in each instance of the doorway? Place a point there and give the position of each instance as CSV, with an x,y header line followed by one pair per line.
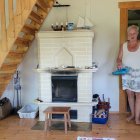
x,y
124,8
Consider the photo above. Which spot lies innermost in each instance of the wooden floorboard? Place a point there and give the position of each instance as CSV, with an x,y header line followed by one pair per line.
x,y
14,128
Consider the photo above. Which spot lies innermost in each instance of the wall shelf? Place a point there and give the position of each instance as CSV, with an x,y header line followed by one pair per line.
x,y
61,5
57,4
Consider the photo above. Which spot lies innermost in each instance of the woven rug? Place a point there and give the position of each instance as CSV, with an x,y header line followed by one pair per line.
x,y
75,126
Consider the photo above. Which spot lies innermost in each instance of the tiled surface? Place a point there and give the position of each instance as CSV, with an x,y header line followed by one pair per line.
x,y
76,50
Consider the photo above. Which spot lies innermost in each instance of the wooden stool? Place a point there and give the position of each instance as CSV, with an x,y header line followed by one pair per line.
x,y
57,110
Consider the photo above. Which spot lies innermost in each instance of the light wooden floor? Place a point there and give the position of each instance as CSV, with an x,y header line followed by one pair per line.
x,y
13,128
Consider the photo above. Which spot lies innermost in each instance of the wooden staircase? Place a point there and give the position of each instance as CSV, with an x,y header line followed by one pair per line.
x,y
17,36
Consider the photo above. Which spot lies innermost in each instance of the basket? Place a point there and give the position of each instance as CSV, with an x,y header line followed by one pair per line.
x,y
100,120
28,111
103,105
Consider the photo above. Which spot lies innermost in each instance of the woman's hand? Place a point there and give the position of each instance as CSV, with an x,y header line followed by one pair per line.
x,y
119,58
119,64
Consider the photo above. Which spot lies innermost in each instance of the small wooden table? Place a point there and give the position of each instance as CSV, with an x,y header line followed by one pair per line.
x,y
57,110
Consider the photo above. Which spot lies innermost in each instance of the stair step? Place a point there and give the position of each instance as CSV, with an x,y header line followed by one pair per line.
x,y
29,37
20,50
5,82
2,88
5,75
29,29
13,61
9,66
15,55
33,16
7,71
42,5
37,15
32,27
10,62
2,78
22,41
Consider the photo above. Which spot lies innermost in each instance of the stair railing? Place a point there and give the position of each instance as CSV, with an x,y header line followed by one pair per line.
x,y
12,19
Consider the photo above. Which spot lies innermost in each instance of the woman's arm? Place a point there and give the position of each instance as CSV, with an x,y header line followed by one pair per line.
x,y
119,58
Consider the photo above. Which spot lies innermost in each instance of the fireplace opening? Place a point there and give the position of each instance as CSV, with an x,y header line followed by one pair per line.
x,y
64,88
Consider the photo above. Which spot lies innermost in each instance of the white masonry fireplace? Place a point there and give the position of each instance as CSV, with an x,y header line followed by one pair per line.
x,y
65,78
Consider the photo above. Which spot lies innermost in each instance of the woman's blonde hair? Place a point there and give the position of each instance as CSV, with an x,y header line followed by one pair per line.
x,y
133,27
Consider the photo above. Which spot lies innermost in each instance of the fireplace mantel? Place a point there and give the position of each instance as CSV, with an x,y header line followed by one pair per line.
x,y
66,48
65,34
77,70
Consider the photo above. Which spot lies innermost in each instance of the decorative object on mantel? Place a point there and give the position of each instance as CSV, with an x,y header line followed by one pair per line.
x,y
84,23
60,27
70,26
57,4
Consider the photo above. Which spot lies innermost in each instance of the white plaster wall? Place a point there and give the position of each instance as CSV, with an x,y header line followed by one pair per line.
x,y
105,48
29,77
105,16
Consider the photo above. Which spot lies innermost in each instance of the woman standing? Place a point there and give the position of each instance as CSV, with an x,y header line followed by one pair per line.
x,y
129,56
